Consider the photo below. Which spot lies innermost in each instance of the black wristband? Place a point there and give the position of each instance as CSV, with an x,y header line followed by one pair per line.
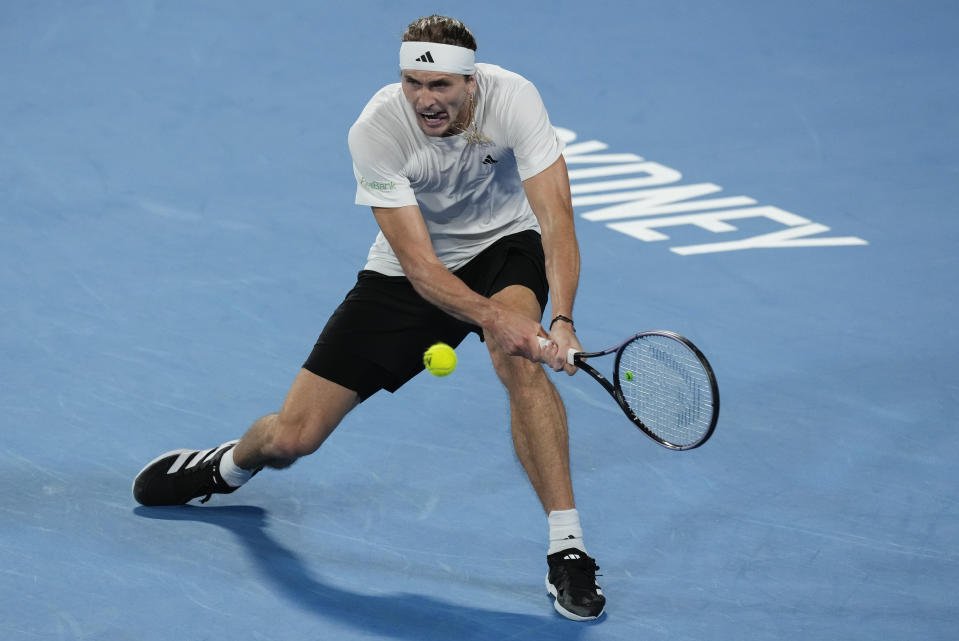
x,y
560,317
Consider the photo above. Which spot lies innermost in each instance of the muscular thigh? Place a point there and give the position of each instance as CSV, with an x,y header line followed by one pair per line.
x,y
516,370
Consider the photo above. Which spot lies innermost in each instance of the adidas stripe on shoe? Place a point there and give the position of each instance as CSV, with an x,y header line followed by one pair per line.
x,y
572,583
180,476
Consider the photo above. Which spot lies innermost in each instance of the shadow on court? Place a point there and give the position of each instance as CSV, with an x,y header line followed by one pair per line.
x,y
399,616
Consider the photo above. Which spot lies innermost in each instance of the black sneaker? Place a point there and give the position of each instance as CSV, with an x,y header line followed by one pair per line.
x,y
572,581
182,475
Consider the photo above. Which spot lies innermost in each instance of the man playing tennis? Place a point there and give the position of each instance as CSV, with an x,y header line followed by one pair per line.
x,y
466,180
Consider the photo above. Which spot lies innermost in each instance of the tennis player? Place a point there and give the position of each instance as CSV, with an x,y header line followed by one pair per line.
x,y
466,179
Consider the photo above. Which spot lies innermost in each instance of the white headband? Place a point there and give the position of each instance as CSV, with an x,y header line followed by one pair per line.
x,y
433,56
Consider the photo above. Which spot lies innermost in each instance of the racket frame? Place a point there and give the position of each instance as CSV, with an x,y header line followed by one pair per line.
x,y
616,391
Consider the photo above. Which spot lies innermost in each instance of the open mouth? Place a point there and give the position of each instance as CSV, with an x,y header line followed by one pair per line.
x,y
434,118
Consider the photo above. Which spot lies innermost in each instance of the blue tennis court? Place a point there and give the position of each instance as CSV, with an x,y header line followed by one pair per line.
x,y
776,181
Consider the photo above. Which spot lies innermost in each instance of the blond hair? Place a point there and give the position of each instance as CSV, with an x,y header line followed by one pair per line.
x,y
441,29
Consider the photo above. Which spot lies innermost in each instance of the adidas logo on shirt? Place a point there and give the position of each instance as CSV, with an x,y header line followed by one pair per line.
x,y
489,160
426,57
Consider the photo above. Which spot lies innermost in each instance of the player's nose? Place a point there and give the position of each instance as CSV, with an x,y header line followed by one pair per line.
x,y
427,99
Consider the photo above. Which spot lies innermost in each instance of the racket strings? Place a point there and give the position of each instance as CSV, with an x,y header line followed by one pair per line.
x,y
667,387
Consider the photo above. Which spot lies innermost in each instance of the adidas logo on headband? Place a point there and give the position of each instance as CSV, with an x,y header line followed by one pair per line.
x,y
449,58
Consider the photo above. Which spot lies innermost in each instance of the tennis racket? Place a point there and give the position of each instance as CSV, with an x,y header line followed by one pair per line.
x,y
663,384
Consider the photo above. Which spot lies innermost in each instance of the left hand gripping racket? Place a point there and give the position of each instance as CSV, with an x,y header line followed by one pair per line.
x,y
663,384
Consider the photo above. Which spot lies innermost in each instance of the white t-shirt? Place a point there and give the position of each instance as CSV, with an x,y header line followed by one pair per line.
x,y
471,194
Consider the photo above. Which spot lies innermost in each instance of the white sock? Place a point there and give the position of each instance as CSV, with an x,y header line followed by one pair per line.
x,y
565,531
234,475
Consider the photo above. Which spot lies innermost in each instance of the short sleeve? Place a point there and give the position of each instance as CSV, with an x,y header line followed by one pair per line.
x,y
530,134
378,166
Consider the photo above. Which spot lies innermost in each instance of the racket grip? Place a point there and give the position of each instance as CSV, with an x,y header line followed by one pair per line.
x,y
544,343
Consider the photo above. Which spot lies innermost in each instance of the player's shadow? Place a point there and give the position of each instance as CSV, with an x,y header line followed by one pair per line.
x,y
400,616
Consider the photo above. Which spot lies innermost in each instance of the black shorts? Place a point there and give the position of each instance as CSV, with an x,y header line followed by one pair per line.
x,y
376,337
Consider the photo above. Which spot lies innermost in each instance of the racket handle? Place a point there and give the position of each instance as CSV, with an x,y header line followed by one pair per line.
x,y
545,342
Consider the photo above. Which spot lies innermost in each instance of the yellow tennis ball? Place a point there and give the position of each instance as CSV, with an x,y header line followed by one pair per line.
x,y
440,359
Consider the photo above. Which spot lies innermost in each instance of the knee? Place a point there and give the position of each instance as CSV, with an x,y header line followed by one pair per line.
x,y
520,375
294,437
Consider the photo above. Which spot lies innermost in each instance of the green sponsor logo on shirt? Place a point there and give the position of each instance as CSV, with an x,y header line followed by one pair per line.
x,y
378,186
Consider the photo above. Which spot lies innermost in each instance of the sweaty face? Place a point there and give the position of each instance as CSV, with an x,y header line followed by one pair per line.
x,y
440,100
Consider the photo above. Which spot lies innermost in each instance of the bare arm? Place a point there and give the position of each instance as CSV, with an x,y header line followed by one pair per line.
x,y
406,232
549,196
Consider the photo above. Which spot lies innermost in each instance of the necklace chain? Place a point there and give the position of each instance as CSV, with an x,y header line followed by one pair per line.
x,y
471,132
